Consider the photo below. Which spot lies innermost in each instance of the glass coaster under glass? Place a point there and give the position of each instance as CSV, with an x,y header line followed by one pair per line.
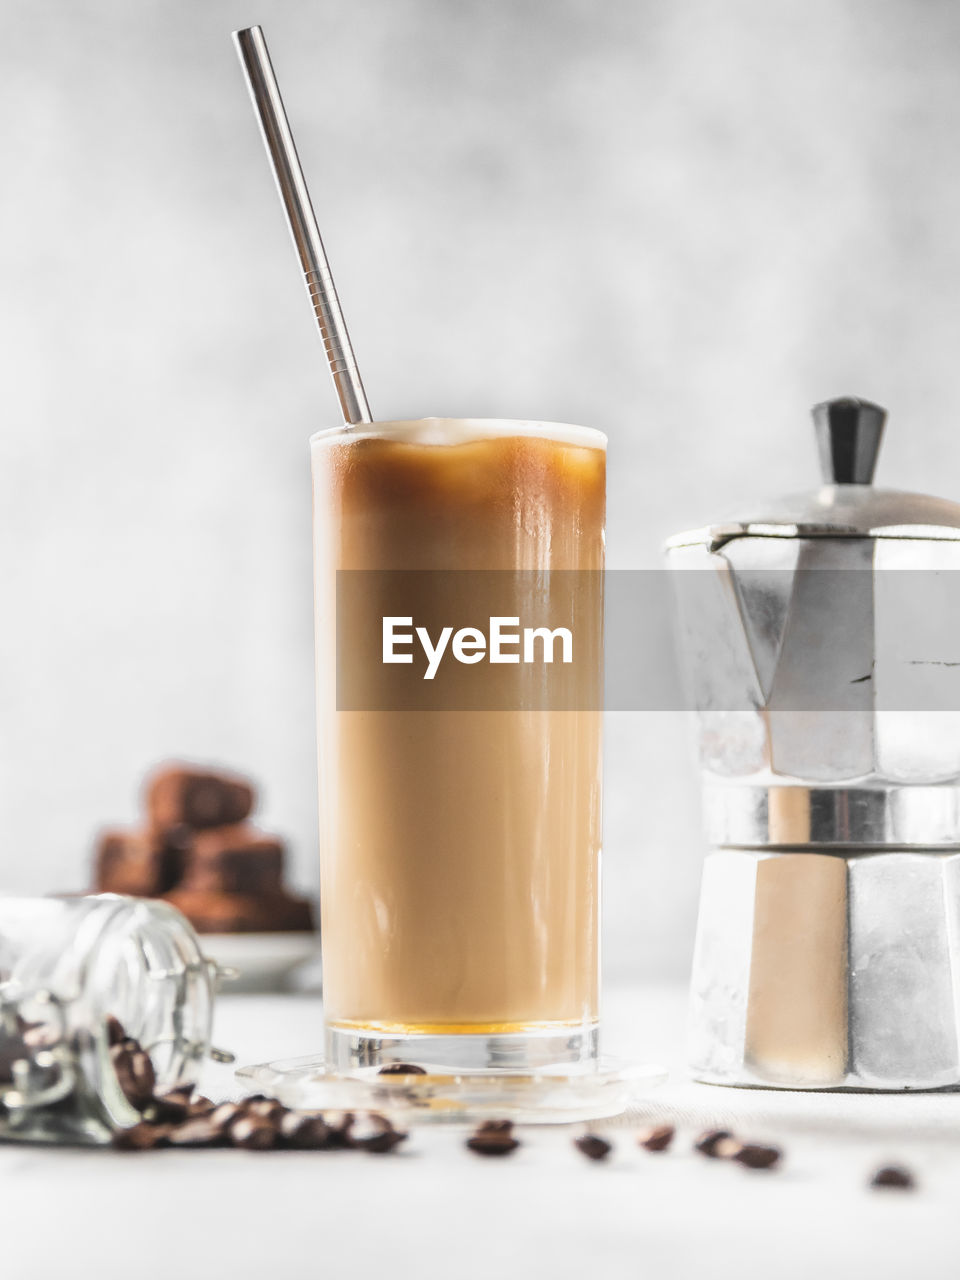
x,y
552,1095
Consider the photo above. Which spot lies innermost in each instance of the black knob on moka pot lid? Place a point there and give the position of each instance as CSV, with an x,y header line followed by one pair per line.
x,y
849,431
847,504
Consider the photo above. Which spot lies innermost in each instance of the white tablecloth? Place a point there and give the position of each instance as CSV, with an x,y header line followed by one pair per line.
x,y
437,1210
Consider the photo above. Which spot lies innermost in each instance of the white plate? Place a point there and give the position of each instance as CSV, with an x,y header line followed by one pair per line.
x,y
264,961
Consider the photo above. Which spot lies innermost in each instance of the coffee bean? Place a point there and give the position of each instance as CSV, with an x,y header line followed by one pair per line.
x,y
134,1072
374,1132
172,1106
140,1137
224,1115
658,1138
493,1144
340,1124
493,1138
593,1147
198,1131
263,1109
381,1143
706,1144
251,1132
143,1076
305,1132
495,1126
179,1096
115,1032
754,1156
401,1069
895,1176
200,1105
727,1148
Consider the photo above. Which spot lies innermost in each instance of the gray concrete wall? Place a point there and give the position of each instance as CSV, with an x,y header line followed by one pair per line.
x,y
676,220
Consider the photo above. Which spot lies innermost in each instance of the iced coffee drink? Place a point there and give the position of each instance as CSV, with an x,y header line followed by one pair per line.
x,y
460,838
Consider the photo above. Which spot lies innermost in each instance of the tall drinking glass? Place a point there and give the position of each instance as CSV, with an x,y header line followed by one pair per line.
x,y
460,840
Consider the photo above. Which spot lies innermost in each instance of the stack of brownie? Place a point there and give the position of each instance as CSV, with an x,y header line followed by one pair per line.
x,y
198,851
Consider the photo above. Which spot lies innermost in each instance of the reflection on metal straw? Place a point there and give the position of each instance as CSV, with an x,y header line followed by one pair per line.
x,y
278,140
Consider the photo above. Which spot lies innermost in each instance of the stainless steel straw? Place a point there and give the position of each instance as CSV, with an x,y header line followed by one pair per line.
x,y
265,93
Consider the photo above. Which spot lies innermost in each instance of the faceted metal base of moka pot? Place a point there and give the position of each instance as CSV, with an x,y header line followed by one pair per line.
x,y
828,970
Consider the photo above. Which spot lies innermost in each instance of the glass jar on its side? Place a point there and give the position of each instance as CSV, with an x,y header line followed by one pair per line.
x,y
73,972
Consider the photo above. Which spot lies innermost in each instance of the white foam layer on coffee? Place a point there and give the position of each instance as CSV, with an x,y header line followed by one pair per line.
x,y
454,431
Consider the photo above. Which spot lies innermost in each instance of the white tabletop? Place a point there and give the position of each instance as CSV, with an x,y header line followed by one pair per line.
x,y
436,1210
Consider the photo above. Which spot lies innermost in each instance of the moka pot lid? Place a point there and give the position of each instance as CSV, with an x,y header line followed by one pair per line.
x,y
847,505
